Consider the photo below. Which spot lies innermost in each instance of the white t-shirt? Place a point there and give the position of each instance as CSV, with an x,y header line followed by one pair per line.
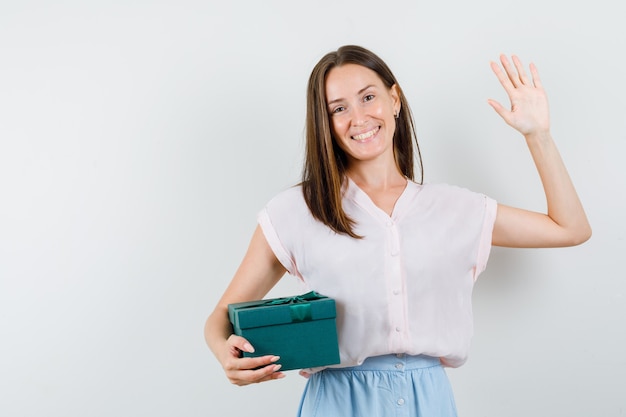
x,y
406,287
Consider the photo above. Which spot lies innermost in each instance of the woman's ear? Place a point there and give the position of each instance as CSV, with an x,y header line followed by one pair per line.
x,y
394,91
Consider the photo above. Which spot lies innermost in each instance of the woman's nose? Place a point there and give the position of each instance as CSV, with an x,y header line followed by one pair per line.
x,y
359,117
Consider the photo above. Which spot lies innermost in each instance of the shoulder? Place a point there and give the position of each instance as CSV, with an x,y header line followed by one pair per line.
x,y
288,198
454,196
443,190
288,206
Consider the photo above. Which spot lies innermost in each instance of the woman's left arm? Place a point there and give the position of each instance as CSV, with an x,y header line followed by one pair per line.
x,y
565,223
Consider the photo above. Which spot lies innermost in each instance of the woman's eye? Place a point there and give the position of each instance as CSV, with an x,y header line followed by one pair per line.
x,y
338,109
368,97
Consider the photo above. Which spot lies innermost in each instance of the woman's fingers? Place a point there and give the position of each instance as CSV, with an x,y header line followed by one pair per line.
x,y
511,73
516,72
521,72
504,79
244,371
535,74
248,370
242,364
239,343
528,111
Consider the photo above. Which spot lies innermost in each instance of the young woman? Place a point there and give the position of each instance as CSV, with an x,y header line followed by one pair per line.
x,y
398,256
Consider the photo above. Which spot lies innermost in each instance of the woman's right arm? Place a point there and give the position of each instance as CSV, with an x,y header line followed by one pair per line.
x,y
259,271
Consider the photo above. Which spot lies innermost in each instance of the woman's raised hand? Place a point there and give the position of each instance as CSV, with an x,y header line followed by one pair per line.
x,y
529,113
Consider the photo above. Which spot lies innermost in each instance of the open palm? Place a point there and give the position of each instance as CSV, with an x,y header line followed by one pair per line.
x,y
529,112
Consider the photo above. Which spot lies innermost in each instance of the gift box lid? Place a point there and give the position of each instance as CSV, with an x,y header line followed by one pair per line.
x,y
275,311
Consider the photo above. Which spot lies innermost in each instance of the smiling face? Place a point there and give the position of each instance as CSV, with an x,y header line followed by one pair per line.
x,y
361,110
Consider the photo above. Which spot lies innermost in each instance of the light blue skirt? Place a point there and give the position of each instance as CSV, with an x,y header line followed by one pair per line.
x,y
390,385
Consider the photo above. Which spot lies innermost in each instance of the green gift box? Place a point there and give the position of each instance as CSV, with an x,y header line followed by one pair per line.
x,y
301,329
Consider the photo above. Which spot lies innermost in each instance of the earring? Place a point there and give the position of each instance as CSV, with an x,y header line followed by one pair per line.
x,y
396,114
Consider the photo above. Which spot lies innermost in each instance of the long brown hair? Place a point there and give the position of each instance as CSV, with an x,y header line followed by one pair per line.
x,y
325,163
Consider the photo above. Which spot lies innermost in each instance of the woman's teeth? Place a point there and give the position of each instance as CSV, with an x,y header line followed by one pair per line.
x,y
365,135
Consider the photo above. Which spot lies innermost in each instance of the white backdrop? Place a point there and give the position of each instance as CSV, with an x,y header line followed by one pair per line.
x,y
138,141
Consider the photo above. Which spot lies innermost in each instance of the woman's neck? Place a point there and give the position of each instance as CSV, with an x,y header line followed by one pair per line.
x,y
383,186
376,177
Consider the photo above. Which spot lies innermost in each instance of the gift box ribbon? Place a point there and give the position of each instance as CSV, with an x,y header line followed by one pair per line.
x,y
299,306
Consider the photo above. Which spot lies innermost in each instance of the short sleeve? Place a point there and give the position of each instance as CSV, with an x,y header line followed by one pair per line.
x,y
282,220
484,244
277,247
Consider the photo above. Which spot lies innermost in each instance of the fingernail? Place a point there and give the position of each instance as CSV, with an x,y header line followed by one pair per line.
x,y
274,358
248,348
281,375
277,367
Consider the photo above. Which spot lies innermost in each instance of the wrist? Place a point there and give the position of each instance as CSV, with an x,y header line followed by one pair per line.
x,y
539,137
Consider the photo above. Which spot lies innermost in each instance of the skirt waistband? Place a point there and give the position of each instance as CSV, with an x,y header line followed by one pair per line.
x,y
399,362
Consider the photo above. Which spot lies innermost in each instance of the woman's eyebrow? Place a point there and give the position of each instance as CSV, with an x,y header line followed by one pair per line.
x,y
358,93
